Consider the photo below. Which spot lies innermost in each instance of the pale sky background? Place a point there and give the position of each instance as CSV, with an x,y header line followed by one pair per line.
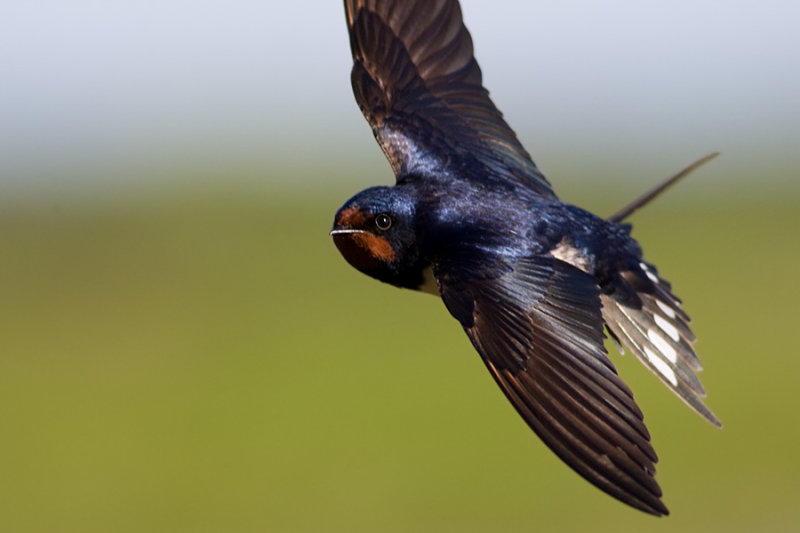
x,y
117,94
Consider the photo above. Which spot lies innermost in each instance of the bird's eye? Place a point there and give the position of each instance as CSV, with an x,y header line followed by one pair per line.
x,y
383,222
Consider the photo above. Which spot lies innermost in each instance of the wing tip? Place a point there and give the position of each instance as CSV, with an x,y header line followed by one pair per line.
x,y
654,508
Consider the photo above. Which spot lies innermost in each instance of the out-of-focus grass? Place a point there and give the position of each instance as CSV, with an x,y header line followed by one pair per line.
x,y
214,365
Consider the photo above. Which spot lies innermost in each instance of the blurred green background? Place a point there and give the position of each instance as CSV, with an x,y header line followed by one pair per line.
x,y
212,364
183,349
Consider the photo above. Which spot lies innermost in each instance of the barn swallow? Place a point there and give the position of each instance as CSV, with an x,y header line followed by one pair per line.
x,y
531,279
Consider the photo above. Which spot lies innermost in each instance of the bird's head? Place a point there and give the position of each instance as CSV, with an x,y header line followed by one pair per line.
x,y
375,231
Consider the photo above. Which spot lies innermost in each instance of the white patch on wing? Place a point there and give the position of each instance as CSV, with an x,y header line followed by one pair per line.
x,y
662,367
670,312
667,328
574,256
662,345
429,283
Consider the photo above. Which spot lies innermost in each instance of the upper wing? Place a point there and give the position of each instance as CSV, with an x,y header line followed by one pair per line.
x,y
419,86
538,328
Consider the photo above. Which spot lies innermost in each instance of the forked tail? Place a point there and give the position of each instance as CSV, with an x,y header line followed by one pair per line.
x,y
656,329
657,332
644,199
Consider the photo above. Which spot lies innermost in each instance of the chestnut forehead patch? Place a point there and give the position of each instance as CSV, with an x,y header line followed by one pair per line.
x,y
352,217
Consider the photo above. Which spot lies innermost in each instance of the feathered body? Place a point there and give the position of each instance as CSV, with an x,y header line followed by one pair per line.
x,y
532,280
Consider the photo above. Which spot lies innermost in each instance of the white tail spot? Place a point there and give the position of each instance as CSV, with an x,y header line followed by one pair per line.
x,y
670,312
652,277
662,345
667,328
662,367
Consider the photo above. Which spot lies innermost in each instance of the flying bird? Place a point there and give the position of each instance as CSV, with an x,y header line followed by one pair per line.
x,y
532,280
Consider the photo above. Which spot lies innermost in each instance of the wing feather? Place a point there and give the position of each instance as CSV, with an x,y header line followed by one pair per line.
x,y
538,327
418,85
